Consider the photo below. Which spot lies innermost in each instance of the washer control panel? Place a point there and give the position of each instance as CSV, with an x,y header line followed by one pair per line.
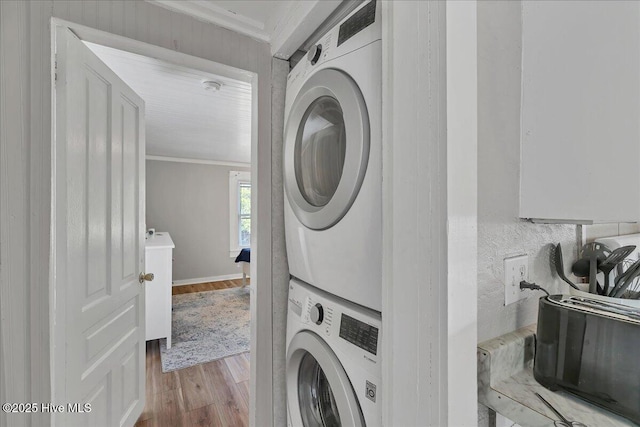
x,y
350,328
314,53
353,333
359,333
317,314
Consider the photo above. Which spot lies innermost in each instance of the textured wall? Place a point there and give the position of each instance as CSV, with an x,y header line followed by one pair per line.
x,y
191,202
15,228
500,232
280,272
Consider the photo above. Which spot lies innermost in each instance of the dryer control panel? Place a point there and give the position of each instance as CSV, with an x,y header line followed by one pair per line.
x,y
357,22
359,29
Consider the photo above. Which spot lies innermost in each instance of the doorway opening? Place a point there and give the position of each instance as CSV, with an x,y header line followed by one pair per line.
x,y
231,376
198,200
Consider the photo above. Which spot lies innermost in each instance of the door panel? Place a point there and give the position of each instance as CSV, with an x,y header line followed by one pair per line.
x,y
99,167
130,389
130,124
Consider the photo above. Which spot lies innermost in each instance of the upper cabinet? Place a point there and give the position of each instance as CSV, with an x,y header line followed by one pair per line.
x,y
580,116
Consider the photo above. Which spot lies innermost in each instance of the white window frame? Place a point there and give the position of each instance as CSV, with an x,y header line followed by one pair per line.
x,y
235,179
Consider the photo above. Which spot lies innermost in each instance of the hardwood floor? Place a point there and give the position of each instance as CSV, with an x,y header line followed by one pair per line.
x,y
209,286
211,394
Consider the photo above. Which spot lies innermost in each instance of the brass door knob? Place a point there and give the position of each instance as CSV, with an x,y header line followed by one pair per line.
x,y
145,277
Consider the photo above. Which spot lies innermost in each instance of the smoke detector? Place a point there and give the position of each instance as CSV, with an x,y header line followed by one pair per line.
x,y
211,85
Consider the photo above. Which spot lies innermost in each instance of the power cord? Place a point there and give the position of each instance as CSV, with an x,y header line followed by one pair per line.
x,y
526,285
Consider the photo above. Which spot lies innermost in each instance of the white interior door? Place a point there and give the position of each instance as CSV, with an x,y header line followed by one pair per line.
x,y
97,242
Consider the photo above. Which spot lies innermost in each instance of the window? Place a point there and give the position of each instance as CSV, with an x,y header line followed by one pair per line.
x,y
244,214
239,211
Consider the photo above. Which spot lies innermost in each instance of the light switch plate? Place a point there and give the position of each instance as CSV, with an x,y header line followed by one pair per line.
x,y
516,269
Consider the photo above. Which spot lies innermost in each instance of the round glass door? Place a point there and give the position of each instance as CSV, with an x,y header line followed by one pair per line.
x,y
320,150
317,403
326,148
319,393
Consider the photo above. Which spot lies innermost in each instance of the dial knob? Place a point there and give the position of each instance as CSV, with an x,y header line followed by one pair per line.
x,y
314,54
317,314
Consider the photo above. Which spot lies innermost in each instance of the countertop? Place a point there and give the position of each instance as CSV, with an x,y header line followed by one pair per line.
x,y
506,385
160,240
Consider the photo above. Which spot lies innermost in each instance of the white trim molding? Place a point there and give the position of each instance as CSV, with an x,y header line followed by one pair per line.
x,y
462,211
414,321
429,135
198,161
183,282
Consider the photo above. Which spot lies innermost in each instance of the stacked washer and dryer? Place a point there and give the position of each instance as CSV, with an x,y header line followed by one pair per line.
x,y
333,224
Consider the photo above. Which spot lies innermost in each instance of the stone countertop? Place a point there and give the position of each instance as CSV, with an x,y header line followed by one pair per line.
x,y
506,385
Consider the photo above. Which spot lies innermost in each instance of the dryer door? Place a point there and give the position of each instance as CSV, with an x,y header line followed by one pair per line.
x,y
326,148
319,392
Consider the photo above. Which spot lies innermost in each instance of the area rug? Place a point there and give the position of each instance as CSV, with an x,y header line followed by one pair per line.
x,y
207,326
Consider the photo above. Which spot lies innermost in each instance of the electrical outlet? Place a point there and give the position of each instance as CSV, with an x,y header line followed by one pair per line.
x,y
516,269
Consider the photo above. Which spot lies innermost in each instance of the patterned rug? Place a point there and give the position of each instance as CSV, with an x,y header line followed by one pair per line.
x,y
207,326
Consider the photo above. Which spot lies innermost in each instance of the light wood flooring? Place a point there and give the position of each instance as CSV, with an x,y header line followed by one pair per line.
x,y
211,394
209,286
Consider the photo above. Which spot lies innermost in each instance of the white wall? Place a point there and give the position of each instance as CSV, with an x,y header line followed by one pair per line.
x,y
191,202
500,232
25,159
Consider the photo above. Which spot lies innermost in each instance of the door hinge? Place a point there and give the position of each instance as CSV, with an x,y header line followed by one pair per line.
x,y
55,74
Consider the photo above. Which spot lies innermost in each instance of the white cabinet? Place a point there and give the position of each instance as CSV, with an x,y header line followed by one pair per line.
x,y
580,123
159,259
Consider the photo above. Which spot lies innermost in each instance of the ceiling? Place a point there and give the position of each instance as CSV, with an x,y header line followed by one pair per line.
x,y
183,119
284,24
256,18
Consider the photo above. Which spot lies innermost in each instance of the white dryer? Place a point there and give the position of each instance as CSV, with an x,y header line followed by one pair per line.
x,y
333,361
332,161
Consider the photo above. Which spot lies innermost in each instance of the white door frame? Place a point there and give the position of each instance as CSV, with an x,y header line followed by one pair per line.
x,y
261,404
429,299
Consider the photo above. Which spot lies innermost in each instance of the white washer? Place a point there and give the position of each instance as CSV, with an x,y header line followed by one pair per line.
x,y
332,161
333,361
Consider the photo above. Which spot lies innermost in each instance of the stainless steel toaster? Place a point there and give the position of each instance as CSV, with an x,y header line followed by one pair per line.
x,y
591,349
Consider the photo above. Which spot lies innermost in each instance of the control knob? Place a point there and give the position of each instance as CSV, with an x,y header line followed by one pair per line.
x,y
314,53
317,314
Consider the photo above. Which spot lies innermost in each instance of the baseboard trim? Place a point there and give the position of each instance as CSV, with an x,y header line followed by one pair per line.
x,y
206,279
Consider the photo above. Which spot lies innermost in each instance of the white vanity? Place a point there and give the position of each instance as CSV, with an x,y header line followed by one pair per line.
x,y
159,260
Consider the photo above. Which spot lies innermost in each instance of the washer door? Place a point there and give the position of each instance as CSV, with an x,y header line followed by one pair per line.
x,y
319,392
326,148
